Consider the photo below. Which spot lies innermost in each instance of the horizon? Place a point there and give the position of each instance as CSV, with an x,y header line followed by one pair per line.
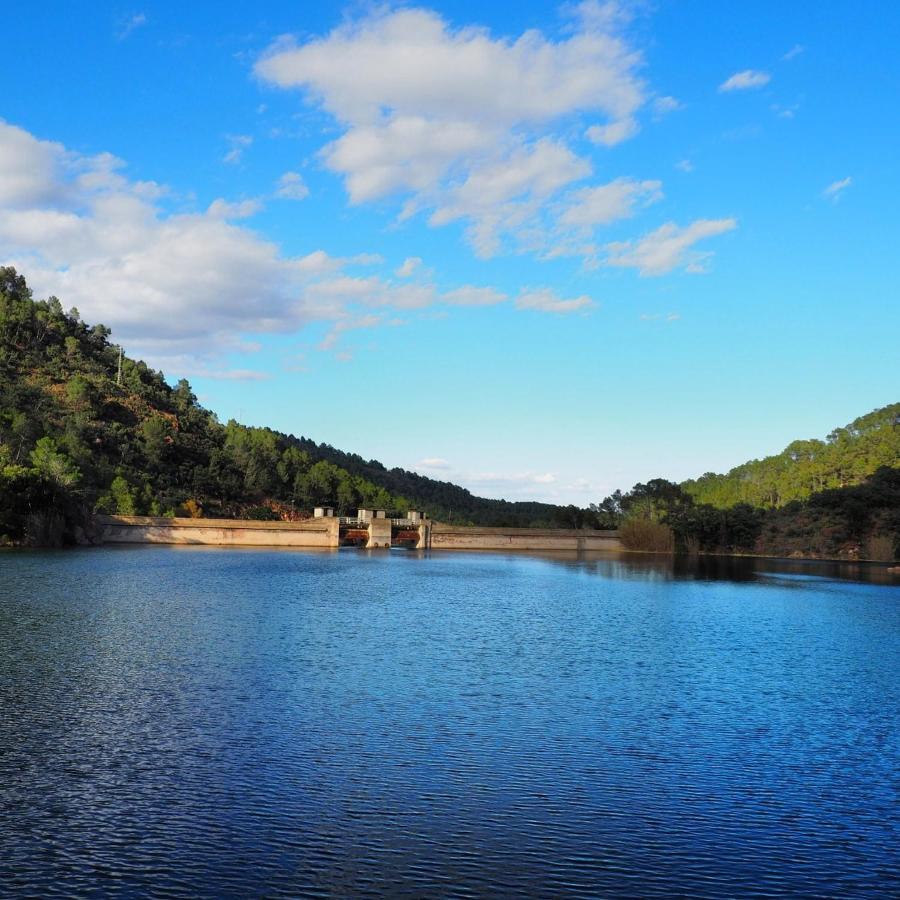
x,y
604,265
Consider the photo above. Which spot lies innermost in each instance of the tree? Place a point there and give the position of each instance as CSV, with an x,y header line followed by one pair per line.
x,y
53,465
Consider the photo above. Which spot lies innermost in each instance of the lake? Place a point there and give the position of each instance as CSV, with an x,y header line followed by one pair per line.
x,y
238,723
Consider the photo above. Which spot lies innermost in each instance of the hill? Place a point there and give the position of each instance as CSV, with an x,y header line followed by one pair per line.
x,y
837,498
848,456
82,430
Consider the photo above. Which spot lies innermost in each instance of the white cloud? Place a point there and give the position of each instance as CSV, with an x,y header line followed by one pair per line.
x,y
244,209
469,295
612,134
177,287
569,229
130,24
291,187
461,122
745,80
837,188
406,153
668,248
412,62
684,165
547,300
410,264
351,323
30,168
496,480
795,51
238,143
223,374
589,207
432,462
664,105
502,196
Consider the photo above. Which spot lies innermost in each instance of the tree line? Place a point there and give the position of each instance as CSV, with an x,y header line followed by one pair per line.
x,y
78,436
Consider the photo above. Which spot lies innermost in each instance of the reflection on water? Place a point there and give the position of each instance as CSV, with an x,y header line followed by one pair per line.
x,y
245,723
654,566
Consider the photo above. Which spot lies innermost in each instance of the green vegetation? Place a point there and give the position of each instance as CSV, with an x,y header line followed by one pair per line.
x,y
848,456
837,498
74,441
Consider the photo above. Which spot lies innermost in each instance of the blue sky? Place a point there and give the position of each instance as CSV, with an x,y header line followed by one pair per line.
x,y
540,251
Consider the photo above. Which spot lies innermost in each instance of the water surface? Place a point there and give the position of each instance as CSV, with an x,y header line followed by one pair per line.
x,y
255,723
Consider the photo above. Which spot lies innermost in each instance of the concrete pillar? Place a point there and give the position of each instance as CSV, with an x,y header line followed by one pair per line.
x,y
379,533
424,542
334,531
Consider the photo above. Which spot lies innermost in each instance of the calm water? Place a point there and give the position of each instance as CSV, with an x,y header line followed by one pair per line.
x,y
248,723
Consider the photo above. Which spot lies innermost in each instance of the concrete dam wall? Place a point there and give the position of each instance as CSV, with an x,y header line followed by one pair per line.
x,y
218,532
453,537
326,532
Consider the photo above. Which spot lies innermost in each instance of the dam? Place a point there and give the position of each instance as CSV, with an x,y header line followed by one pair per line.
x,y
369,529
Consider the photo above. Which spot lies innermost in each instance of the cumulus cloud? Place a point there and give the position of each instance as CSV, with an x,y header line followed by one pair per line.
x,y
243,209
837,188
612,134
669,247
547,300
291,187
502,196
571,227
30,169
182,288
462,123
589,207
469,295
745,80
684,165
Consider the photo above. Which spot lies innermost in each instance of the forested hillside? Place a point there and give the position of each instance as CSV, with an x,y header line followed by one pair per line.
x,y
846,457
834,498
84,430
78,437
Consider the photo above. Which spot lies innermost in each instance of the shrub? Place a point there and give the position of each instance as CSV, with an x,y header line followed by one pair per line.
x,y
193,509
261,514
644,534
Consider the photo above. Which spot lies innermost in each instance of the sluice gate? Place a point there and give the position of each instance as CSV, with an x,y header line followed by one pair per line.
x,y
373,528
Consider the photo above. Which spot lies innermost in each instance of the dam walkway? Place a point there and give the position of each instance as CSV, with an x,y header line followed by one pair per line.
x,y
331,532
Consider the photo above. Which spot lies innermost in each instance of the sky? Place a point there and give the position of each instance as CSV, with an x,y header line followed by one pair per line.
x,y
540,251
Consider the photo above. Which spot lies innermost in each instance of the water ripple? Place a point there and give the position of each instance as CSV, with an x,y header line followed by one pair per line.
x,y
239,724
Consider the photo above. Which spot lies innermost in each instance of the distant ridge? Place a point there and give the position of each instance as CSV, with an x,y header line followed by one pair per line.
x,y
74,440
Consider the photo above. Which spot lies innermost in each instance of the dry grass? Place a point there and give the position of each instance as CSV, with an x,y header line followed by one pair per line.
x,y
642,534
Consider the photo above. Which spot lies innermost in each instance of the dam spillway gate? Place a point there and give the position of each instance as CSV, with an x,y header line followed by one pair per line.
x,y
371,529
